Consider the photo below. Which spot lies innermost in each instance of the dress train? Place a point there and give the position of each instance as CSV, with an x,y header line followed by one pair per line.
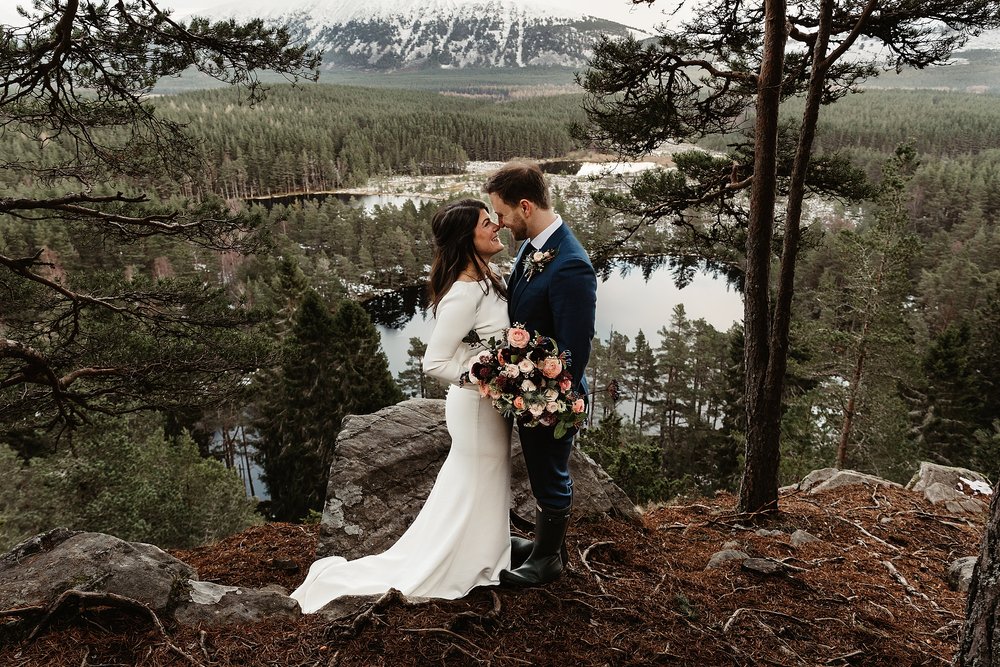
x,y
460,539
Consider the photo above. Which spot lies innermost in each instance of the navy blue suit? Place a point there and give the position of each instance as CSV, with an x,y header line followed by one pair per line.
x,y
559,301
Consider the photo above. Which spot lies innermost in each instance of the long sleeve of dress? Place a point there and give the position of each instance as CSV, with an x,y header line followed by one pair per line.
x,y
446,354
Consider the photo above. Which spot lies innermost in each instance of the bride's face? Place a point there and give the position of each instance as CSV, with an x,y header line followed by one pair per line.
x,y
485,239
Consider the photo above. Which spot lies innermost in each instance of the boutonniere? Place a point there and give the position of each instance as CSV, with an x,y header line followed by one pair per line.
x,y
535,262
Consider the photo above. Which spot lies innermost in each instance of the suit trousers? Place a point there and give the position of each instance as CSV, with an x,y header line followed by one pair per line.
x,y
547,461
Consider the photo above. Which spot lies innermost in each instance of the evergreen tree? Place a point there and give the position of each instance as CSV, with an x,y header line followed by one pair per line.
x,y
413,381
298,414
947,401
985,360
332,366
610,365
733,423
860,333
977,644
643,378
673,364
362,370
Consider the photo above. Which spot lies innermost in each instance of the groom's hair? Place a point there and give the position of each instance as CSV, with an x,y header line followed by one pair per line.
x,y
519,180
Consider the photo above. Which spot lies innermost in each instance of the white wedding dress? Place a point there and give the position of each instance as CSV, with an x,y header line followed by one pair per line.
x,y
460,539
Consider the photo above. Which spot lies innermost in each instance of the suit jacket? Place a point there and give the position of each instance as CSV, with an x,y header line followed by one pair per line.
x,y
560,301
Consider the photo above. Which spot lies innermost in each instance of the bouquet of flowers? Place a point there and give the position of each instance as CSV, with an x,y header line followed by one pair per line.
x,y
526,377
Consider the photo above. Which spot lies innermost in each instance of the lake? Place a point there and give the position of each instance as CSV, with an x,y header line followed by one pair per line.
x,y
626,303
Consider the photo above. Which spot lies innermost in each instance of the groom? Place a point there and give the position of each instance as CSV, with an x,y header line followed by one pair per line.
x,y
555,297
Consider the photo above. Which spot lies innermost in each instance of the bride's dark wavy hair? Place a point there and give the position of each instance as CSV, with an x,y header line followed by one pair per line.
x,y
454,227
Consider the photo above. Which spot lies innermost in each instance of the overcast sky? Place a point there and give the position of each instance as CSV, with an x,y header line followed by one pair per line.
x,y
623,11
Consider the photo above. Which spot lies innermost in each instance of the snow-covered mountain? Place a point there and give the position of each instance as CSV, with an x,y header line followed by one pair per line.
x,y
394,34
990,40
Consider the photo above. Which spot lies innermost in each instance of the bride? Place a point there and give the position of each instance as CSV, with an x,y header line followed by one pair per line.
x,y
461,538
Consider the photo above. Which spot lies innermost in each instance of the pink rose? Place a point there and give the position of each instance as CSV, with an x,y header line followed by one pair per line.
x,y
538,256
566,384
519,403
518,337
551,367
578,405
484,390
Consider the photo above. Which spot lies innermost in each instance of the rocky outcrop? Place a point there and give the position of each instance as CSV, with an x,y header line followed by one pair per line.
x,y
825,479
37,571
204,604
386,463
958,490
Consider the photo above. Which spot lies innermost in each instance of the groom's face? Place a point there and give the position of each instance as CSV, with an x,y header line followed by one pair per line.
x,y
510,217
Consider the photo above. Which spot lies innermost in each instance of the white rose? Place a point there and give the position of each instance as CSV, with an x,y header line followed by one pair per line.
x,y
551,395
528,385
526,365
510,370
536,409
538,256
552,406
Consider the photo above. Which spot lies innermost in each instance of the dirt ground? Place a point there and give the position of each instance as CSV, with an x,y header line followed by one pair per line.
x,y
871,591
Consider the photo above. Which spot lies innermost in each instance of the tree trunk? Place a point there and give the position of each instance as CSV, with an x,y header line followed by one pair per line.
x,y
635,402
246,460
980,642
759,486
859,366
849,410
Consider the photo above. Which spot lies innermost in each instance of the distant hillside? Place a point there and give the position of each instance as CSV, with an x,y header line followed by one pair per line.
x,y
445,34
972,70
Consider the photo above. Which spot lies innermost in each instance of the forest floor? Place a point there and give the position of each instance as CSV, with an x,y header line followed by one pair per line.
x,y
632,596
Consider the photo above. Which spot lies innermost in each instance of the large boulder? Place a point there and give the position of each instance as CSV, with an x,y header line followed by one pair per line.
x,y
39,570
958,490
826,479
385,466
961,479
